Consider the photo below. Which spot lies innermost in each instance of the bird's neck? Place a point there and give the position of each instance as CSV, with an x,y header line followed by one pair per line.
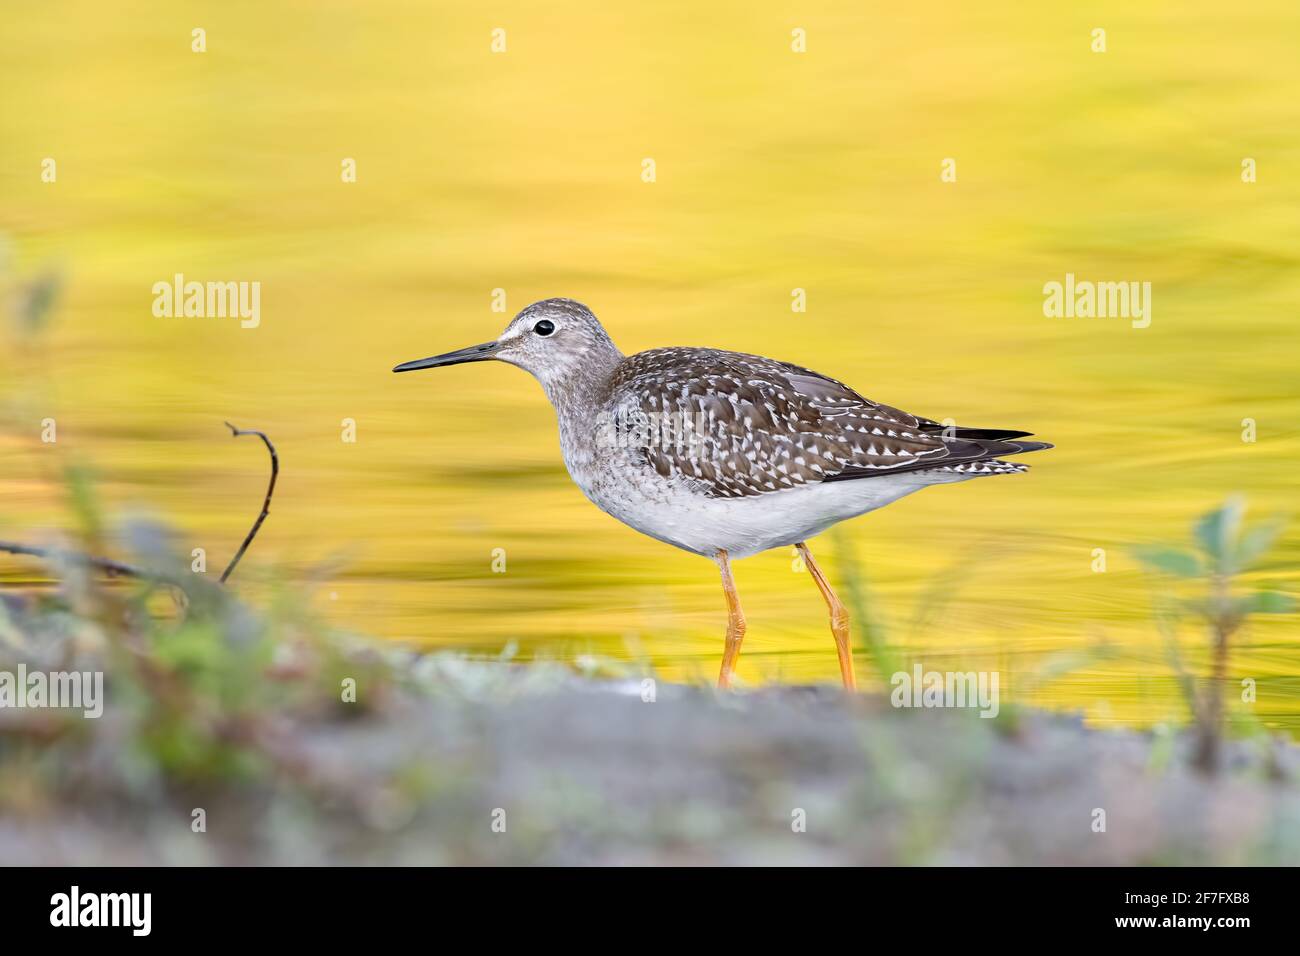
x,y
578,392
579,395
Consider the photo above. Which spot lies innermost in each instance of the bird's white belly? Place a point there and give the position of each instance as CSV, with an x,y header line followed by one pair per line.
x,y
675,513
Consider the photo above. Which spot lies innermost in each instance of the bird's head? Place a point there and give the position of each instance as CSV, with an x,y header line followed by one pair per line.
x,y
553,340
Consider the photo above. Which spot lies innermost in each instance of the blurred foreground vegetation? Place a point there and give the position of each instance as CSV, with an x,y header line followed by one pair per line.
x,y
235,734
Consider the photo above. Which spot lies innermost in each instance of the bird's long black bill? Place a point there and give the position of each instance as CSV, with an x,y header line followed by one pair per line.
x,y
475,353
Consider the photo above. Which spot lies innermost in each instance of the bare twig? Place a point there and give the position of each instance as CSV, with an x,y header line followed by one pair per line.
x,y
119,569
107,565
266,504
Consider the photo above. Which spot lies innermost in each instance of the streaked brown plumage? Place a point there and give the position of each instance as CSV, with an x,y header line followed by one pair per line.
x,y
770,425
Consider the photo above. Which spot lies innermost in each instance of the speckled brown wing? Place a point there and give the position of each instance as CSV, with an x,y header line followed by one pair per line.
x,y
747,425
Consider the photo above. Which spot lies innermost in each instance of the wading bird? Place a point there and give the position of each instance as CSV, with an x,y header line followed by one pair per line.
x,y
725,454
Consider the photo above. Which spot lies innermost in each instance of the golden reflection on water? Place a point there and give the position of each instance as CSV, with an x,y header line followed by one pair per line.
x,y
775,171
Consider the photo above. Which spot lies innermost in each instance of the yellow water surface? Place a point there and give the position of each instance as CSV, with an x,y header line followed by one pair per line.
x,y
774,170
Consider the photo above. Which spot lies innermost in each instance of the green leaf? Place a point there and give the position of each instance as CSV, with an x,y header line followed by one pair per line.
x,y
36,301
1255,542
1173,561
1217,531
1268,602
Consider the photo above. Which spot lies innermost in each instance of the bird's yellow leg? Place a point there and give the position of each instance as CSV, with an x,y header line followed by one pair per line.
x,y
839,619
735,622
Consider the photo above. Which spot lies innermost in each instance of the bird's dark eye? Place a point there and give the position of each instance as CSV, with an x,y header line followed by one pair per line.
x,y
544,327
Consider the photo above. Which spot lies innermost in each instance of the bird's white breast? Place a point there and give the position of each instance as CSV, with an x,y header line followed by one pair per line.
x,y
678,512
